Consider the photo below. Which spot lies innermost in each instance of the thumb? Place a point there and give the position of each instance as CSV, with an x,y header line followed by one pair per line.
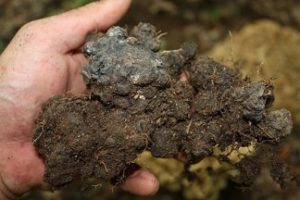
x,y
71,28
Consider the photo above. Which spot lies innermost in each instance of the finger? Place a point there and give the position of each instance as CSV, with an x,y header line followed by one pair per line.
x,y
67,32
72,27
141,183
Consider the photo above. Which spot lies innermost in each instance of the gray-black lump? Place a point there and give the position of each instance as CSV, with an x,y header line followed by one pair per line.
x,y
135,101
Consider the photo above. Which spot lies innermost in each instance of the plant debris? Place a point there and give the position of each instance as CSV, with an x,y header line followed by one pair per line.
x,y
135,101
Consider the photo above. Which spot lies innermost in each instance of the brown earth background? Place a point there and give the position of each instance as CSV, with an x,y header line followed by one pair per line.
x,y
260,37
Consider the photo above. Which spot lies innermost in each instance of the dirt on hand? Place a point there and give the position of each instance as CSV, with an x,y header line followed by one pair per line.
x,y
135,101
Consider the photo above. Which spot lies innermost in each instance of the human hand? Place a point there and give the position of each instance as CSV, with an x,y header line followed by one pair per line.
x,y
42,61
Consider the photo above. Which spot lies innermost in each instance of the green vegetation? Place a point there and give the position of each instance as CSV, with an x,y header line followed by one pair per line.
x,y
81,2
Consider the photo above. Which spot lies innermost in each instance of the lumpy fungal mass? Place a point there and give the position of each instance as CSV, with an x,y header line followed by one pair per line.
x,y
136,101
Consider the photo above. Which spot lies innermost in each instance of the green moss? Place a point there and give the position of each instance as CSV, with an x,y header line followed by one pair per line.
x,y
214,14
78,3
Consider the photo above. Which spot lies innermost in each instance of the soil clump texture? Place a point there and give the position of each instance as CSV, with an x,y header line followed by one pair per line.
x,y
136,102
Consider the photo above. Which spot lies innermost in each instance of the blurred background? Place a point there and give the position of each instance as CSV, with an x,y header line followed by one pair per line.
x,y
259,37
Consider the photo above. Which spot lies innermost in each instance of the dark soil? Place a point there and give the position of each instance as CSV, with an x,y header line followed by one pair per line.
x,y
136,102
204,21
264,187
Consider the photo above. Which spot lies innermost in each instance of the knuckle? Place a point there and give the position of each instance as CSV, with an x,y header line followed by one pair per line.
x,y
30,32
30,26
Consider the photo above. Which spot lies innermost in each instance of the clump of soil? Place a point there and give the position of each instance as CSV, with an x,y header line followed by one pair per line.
x,y
136,102
290,154
272,54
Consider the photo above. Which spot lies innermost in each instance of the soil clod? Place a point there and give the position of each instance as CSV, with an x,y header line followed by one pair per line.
x,y
135,102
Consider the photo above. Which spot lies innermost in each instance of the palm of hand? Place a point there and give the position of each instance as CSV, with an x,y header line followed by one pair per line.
x,y
25,86
40,62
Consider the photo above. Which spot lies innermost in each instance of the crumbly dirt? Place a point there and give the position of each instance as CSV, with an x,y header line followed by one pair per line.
x,y
272,54
136,102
